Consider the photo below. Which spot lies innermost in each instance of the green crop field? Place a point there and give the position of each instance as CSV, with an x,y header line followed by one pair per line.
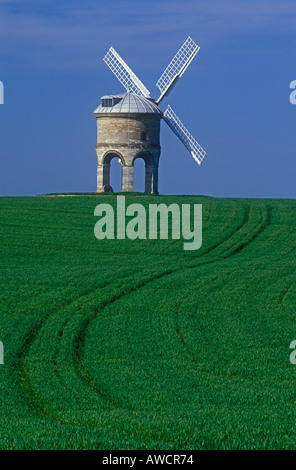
x,y
138,344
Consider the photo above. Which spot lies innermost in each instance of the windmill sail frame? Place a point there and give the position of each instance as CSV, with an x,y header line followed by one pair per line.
x,y
124,74
184,135
165,84
176,68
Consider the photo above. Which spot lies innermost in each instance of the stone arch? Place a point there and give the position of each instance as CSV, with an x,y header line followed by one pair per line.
x,y
151,171
106,167
146,156
109,155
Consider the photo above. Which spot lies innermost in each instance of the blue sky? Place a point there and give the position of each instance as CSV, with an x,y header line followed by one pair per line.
x,y
234,98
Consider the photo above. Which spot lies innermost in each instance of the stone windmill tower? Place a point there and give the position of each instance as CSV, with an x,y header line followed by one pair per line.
x,y
128,125
128,128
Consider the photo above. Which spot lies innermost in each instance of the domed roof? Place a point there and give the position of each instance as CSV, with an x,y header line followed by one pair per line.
x,y
127,103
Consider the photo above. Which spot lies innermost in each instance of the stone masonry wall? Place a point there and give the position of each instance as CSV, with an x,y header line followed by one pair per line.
x,y
122,135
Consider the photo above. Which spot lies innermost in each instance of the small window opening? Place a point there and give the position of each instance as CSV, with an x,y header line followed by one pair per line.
x,y
109,102
106,102
143,136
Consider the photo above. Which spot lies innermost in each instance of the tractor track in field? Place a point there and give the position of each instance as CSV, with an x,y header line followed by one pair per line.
x,y
283,296
212,255
216,283
33,398
247,238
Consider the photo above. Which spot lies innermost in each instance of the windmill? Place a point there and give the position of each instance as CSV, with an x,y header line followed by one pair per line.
x,y
128,124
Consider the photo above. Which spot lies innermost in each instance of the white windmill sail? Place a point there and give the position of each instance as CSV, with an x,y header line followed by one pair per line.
x,y
176,68
124,74
184,135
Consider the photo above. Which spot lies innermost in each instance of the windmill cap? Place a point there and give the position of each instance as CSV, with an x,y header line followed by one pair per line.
x,y
127,103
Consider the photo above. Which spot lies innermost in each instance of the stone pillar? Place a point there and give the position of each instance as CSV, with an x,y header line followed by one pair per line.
x,y
100,188
106,176
148,178
127,178
154,188
103,178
